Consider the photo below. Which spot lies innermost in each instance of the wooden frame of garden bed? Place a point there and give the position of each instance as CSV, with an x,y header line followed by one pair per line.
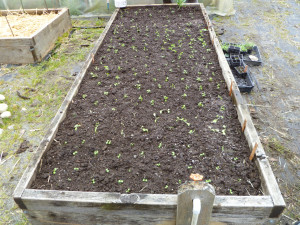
x,y
19,50
74,207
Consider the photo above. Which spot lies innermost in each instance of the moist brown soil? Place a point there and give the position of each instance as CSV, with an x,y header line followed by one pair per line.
x,y
152,109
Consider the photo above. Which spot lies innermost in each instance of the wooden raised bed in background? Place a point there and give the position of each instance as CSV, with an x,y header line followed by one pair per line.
x,y
77,207
15,50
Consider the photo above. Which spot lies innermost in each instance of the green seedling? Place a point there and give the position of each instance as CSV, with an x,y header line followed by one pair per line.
x,y
148,91
145,180
131,144
173,154
208,181
96,152
183,107
96,126
152,102
74,153
108,142
160,145
157,164
128,190
76,169
83,141
99,83
230,191
166,98
144,129
120,181
105,93
200,104
54,170
141,98
184,120
93,75
218,168
119,155
202,154
166,187
76,126
107,170
184,95
190,167
96,103
93,181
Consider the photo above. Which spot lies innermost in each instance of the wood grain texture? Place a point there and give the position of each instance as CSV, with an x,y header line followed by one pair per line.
x,y
187,193
45,38
88,204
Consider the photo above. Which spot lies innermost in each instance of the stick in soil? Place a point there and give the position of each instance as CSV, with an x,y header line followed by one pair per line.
x,y
246,68
244,125
22,6
253,151
9,26
46,6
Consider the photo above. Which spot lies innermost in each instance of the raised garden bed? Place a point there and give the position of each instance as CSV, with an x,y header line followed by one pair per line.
x,y
140,124
31,44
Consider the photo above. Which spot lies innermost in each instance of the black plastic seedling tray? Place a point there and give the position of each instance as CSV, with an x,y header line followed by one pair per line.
x,y
245,84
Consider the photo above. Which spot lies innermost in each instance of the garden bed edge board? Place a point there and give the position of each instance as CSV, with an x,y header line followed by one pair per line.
x,y
67,205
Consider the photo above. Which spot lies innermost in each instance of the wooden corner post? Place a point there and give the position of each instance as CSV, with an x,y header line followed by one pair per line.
x,y
194,203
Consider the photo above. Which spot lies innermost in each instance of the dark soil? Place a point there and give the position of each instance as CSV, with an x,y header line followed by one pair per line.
x,y
152,109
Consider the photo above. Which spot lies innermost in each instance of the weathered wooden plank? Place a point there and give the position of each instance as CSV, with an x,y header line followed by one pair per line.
x,y
29,174
45,38
90,202
195,203
20,54
28,11
97,205
16,41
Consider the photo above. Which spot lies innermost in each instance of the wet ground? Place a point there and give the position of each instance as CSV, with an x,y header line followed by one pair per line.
x,y
274,26
274,102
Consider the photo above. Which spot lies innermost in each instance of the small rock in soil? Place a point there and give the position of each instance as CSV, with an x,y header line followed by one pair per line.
x,y
24,146
1,131
6,114
2,97
3,107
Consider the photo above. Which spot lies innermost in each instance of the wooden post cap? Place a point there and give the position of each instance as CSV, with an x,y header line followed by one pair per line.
x,y
187,193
